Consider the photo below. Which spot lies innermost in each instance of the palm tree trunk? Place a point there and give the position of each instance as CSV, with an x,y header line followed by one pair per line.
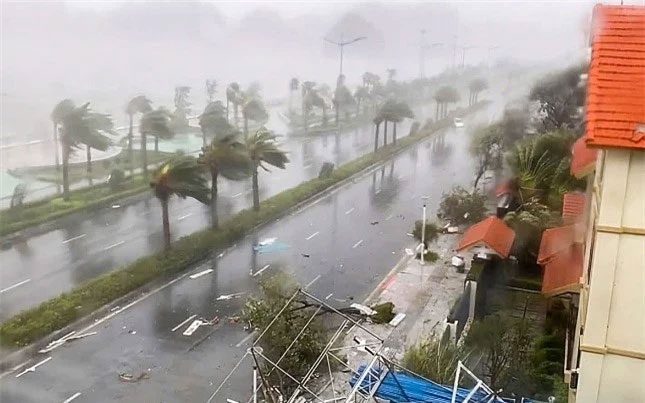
x,y
227,109
203,138
246,127
235,109
65,171
304,119
156,144
214,218
144,156
290,102
130,147
436,112
385,133
324,117
256,188
378,126
88,154
394,133
358,107
56,159
166,223
337,113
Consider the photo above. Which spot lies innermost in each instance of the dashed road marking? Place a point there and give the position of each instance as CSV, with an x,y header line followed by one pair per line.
x,y
15,285
114,245
312,282
244,340
183,323
237,195
257,273
72,397
33,367
74,238
312,235
349,211
357,244
184,217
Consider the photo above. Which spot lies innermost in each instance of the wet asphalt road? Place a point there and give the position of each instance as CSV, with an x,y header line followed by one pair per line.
x,y
89,245
352,236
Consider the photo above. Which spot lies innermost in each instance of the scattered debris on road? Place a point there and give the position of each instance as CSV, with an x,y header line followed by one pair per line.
x,y
458,261
116,206
127,377
192,328
305,255
133,332
409,252
229,296
374,222
398,318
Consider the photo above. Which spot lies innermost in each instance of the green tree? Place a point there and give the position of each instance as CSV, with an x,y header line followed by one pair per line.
x,y
138,104
432,231
461,207
504,344
399,112
378,119
291,324
155,123
487,147
559,95
435,360
263,151
181,176
100,122
342,99
314,98
57,115
211,89
445,95
293,87
182,109
476,86
253,110
226,157
360,95
529,223
80,127
306,88
213,122
233,96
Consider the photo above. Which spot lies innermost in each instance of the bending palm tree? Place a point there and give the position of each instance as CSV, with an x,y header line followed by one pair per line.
x,y
262,148
183,177
138,104
213,122
58,114
226,157
378,119
102,122
155,123
255,111
80,126
232,95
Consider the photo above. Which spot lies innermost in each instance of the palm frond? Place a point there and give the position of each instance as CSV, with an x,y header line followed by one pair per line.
x,y
181,176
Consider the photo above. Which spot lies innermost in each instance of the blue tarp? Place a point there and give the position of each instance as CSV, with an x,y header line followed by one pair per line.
x,y
403,387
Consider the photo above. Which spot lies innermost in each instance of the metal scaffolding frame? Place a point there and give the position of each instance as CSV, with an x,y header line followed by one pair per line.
x,y
368,380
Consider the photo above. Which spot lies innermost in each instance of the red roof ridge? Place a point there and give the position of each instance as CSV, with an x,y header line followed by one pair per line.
x,y
492,232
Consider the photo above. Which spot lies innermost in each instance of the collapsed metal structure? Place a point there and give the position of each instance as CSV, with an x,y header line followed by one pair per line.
x,y
381,379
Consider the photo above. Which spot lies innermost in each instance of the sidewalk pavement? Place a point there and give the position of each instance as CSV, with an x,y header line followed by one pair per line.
x,y
425,293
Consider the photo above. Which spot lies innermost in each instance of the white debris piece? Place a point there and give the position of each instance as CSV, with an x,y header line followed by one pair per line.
x,y
201,273
363,309
267,241
116,205
193,326
398,318
457,261
229,296
409,252
453,230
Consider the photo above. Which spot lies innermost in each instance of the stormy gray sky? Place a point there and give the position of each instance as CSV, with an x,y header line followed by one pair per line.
x,y
108,51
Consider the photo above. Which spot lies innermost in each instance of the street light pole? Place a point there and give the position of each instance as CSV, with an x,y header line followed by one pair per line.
x,y
423,232
341,45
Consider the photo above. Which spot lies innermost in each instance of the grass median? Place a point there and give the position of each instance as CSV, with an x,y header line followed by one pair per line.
x,y
56,313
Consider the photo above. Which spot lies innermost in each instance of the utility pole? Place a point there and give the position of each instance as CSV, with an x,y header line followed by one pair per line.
x,y
341,45
423,231
422,53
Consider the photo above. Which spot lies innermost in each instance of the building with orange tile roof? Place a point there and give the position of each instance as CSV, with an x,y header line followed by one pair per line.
x,y
605,351
491,236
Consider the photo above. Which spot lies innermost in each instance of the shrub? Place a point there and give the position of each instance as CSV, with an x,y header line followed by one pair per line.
x,y
432,231
384,312
435,360
116,179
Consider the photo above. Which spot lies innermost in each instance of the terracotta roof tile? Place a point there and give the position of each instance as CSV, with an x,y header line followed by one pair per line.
x,y
554,241
573,205
562,273
491,232
583,158
615,106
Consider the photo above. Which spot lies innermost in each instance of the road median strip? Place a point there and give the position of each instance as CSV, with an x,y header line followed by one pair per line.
x,y
56,313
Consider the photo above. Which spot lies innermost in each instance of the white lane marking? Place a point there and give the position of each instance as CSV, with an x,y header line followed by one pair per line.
x,y
349,211
257,273
312,235
201,273
184,217
33,367
244,340
329,296
388,217
114,245
312,282
183,323
237,195
15,285
357,244
307,166
113,314
72,397
378,191
74,238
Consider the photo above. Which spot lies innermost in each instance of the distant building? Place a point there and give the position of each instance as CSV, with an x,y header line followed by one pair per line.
x,y
601,268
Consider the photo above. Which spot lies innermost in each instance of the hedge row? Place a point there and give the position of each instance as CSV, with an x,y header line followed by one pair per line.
x,y
56,313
